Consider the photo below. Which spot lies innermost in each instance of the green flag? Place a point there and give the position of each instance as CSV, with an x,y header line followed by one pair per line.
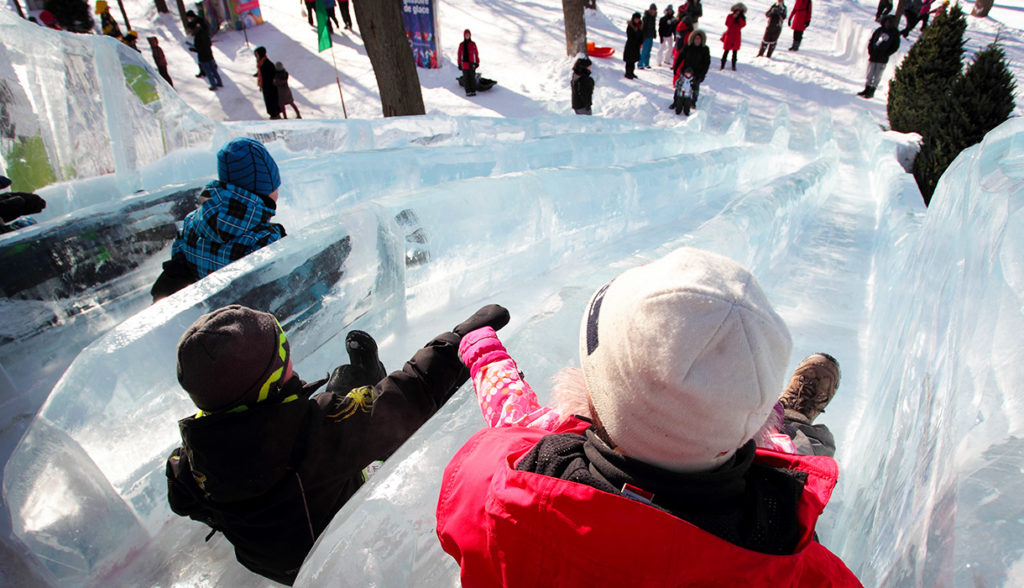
x,y
323,37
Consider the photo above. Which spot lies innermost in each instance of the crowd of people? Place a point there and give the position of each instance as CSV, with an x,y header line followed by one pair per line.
x,y
683,46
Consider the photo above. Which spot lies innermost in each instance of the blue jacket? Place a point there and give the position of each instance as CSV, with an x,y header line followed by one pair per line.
x,y
230,225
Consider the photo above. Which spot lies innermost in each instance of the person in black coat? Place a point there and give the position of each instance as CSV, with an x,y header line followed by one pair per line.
x,y
666,32
883,43
697,57
265,73
634,41
267,461
776,16
582,86
203,47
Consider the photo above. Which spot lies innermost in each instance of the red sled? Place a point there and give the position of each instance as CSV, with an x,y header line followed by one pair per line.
x,y
594,51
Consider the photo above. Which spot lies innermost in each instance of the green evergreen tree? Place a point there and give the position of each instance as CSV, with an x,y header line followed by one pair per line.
x,y
73,15
979,101
930,67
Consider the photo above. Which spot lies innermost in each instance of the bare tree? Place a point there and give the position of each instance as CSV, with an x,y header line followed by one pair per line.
x,y
575,27
380,23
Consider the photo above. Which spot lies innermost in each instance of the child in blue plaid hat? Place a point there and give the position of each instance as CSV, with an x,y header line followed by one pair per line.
x,y
233,218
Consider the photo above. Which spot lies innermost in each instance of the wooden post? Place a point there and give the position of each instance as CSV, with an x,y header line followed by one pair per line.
x,y
124,15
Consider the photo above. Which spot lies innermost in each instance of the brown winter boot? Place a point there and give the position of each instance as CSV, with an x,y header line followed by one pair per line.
x,y
811,387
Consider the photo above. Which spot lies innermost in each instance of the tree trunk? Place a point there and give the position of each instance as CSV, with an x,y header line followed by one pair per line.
x,y
161,6
981,8
380,23
575,27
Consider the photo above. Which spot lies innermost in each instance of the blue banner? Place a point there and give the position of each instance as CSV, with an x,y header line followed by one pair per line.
x,y
420,20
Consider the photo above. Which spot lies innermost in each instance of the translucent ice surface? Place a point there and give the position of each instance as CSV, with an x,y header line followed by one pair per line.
x,y
403,227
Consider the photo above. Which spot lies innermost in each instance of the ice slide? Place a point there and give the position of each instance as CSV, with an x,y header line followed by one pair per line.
x,y
921,309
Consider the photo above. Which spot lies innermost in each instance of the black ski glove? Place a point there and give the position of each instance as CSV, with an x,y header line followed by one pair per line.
x,y
492,315
364,367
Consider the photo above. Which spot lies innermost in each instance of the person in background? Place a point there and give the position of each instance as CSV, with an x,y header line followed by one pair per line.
x,y
132,40
731,38
582,86
310,11
343,8
884,8
233,218
203,47
160,59
650,30
799,20
329,9
776,15
284,93
883,43
15,205
469,59
107,23
697,56
265,72
666,36
651,445
634,41
268,461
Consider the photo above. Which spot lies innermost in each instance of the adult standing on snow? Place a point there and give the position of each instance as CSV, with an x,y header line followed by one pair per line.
x,y
343,8
776,16
634,40
265,72
469,60
650,28
107,23
696,56
203,47
732,38
884,42
582,86
159,59
799,20
666,32
694,9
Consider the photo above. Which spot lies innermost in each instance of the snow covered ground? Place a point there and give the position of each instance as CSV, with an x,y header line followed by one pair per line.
x,y
782,167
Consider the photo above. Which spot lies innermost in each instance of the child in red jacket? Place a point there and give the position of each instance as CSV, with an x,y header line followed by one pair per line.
x,y
661,483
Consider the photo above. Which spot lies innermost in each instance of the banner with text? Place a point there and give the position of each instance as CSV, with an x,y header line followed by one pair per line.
x,y
421,27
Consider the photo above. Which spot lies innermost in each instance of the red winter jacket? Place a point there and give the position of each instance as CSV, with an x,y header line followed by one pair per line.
x,y
468,56
801,15
731,38
511,528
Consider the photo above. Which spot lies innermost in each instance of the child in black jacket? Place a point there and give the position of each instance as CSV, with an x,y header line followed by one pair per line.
x,y
267,462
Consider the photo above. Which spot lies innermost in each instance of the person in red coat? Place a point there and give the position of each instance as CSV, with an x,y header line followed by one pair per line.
x,y
799,20
731,38
660,483
469,60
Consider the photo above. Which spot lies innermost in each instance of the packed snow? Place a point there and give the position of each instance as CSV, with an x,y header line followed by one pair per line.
x,y
402,227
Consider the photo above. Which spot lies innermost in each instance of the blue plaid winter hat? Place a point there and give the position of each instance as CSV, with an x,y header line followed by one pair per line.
x,y
246,163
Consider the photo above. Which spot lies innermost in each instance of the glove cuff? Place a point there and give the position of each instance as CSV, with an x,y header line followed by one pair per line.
x,y
480,347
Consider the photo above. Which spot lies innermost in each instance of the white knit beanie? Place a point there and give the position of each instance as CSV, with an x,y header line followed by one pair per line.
x,y
684,359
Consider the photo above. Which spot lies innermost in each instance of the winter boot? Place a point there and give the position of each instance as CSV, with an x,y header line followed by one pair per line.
x,y
871,92
771,49
734,61
811,388
723,63
364,369
764,46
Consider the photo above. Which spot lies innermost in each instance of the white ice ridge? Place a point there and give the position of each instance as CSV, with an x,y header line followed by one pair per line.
x,y
403,227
